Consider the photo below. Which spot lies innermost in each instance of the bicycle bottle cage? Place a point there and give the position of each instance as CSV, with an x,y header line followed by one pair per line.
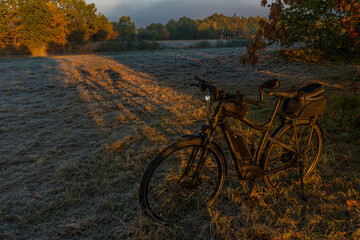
x,y
308,102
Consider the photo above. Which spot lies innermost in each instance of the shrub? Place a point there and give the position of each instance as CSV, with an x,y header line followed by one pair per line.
x,y
203,44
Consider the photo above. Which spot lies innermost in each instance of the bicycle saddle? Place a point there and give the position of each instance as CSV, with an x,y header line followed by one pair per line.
x,y
284,93
310,91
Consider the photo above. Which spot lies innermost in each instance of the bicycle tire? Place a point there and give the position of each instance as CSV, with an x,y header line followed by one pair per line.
x,y
164,193
276,156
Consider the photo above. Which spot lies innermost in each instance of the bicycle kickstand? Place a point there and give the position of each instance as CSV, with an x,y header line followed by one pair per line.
x,y
301,170
253,183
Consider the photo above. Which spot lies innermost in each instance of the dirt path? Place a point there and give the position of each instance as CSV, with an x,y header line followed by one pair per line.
x,y
59,116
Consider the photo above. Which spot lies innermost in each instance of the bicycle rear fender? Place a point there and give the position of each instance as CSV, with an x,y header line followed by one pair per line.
x,y
308,120
321,130
213,144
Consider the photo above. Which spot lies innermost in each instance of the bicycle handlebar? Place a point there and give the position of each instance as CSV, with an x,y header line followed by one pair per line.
x,y
221,94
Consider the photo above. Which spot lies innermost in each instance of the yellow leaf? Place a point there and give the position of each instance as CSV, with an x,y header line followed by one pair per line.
x,y
352,203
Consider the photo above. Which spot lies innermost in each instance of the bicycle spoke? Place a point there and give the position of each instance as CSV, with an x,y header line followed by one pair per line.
x,y
280,163
170,194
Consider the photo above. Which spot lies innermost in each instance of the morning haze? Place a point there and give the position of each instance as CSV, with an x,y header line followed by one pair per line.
x,y
144,12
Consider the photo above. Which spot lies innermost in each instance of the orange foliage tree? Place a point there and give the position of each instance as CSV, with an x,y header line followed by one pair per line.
x,y
41,24
9,22
350,17
37,24
325,26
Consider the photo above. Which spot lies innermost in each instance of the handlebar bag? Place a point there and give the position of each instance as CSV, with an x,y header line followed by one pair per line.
x,y
308,102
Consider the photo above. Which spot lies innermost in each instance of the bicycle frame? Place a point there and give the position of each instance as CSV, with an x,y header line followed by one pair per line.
x,y
244,165
289,146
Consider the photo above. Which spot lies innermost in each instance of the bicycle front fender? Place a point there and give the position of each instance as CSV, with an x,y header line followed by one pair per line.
x,y
192,136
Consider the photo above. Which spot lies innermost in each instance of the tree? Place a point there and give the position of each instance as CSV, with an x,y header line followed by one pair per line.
x,y
240,26
205,31
328,27
125,27
153,31
187,29
84,24
350,18
38,24
9,22
103,29
41,24
164,34
224,25
172,26
252,25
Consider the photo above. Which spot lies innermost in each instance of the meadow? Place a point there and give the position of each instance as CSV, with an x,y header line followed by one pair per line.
x,y
78,131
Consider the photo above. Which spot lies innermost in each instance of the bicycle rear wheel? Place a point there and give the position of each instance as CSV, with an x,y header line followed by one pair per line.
x,y
310,143
166,190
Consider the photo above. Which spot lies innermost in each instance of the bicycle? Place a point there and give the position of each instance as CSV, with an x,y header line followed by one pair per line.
x,y
189,175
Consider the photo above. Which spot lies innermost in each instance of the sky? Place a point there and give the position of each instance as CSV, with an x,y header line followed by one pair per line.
x,y
144,12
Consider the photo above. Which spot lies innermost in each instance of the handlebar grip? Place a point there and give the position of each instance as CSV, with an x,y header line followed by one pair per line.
x,y
251,101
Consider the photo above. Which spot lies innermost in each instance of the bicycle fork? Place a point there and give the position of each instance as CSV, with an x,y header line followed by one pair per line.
x,y
209,135
207,143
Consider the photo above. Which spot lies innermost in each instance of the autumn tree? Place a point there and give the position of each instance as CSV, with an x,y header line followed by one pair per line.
x,y
219,26
41,24
224,26
252,25
240,26
205,31
84,23
102,29
164,34
328,27
37,24
350,18
9,23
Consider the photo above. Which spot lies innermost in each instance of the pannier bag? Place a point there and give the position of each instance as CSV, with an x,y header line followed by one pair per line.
x,y
235,109
308,102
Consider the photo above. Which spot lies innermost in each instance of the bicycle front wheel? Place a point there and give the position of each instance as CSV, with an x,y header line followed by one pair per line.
x,y
309,139
167,191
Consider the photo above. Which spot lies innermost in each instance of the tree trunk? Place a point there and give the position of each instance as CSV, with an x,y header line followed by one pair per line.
x,y
38,52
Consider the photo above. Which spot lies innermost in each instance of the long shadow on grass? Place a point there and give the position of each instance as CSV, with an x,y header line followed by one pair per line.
x,y
42,128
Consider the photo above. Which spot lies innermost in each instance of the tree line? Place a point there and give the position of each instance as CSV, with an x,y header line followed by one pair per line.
x,y
326,27
216,26
39,25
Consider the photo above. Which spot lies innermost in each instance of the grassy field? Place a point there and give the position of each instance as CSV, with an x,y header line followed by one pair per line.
x,y
78,131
